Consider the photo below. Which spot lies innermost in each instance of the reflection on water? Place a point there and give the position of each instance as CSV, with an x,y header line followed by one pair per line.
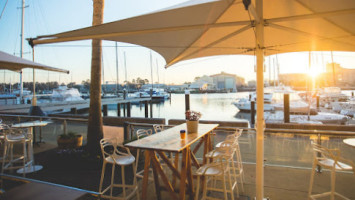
x,y
212,107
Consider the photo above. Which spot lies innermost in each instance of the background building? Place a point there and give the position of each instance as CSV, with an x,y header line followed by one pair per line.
x,y
225,81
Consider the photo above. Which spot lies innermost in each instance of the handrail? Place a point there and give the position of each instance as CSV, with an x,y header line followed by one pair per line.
x,y
267,130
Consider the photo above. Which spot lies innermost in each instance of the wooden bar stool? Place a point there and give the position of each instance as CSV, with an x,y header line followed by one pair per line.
x,y
329,159
112,155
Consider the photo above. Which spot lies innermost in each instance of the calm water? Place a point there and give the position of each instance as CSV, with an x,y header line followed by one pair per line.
x,y
212,107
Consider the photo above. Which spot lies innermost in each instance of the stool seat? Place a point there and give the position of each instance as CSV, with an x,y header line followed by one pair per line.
x,y
121,160
338,165
209,170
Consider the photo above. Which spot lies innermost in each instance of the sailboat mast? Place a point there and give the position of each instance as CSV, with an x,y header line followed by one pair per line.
x,y
21,47
116,69
151,68
157,69
125,67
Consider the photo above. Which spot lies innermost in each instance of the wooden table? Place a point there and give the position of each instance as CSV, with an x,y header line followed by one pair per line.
x,y
350,141
169,141
30,125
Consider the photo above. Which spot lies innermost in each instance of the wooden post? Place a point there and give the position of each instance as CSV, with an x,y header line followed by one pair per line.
x,y
118,109
126,131
187,100
124,94
129,109
124,110
317,102
104,110
287,108
146,109
252,112
73,111
151,109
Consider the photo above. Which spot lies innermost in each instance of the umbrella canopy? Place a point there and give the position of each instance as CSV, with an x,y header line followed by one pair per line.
x,y
15,63
201,28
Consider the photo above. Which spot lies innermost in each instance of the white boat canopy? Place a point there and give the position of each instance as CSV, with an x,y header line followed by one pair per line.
x,y
14,63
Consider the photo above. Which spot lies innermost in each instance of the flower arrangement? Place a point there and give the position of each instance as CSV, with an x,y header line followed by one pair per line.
x,y
192,115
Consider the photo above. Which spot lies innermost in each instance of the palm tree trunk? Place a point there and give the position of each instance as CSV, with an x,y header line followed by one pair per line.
x,y
95,119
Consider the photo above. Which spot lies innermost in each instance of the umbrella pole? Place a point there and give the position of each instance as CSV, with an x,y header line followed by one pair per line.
x,y
260,102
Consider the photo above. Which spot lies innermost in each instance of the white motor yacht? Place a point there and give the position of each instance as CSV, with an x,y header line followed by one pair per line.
x,y
63,93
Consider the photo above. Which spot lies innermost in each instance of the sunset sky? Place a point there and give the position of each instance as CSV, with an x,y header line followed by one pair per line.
x,y
44,17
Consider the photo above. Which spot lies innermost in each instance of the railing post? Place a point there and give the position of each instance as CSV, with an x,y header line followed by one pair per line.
x,y
124,110
286,108
252,112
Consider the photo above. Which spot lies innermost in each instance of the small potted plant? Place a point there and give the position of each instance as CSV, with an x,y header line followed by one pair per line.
x,y
192,118
70,141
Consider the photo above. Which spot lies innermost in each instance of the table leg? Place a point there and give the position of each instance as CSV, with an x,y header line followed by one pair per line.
x,y
205,149
156,178
147,154
189,174
183,174
176,163
158,169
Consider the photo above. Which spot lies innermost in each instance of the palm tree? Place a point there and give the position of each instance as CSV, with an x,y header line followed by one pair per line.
x,y
95,123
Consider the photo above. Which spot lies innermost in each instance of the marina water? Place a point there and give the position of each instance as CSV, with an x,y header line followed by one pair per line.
x,y
213,106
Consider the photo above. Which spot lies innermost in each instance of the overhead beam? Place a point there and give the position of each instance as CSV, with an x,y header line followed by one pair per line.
x,y
56,38
310,34
311,16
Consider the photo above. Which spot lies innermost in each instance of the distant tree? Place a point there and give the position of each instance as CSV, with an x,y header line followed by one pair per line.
x,y
71,84
86,84
196,78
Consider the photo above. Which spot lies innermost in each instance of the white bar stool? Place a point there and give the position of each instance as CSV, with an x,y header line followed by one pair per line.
x,y
17,136
219,169
237,165
111,155
140,134
329,159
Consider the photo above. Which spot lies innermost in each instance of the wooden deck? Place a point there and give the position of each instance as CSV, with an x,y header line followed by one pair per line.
x,y
63,106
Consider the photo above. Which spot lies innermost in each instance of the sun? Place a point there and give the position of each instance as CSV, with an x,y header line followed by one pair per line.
x,y
314,71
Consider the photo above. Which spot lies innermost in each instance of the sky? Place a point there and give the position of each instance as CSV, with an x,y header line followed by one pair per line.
x,y
43,17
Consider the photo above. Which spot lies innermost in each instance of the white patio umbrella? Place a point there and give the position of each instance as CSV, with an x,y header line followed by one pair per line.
x,y
14,63
199,28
